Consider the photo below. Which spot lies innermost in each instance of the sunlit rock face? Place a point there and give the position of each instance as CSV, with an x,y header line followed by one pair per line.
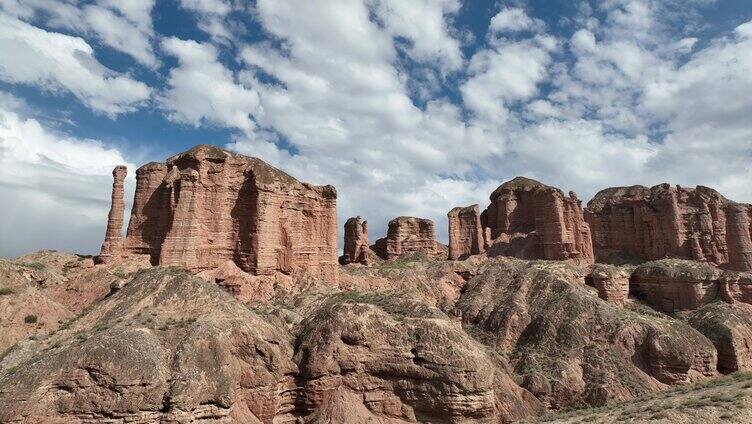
x,y
206,206
671,222
530,220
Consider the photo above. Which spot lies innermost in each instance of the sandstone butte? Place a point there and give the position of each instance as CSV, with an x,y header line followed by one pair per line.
x,y
408,235
466,236
530,220
357,249
206,206
672,222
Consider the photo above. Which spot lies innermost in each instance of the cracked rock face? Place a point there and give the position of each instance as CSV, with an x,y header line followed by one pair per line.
x,y
356,249
206,206
530,220
466,236
671,222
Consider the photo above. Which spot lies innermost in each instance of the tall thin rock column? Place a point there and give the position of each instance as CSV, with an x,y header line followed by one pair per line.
x,y
113,243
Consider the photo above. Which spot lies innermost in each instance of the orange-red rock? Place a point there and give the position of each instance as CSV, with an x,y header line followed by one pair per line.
x,y
531,220
357,249
207,206
113,242
408,235
671,222
465,232
611,282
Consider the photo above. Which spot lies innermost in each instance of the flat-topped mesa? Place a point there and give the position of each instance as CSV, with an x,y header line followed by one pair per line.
x,y
465,232
357,249
671,222
408,235
113,243
531,220
206,206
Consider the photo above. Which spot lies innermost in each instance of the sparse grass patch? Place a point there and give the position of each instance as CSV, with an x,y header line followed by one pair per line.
x,y
5,291
30,319
33,265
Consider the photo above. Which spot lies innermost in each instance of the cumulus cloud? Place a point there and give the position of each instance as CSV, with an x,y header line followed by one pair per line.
x,y
57,62
125,26
514,19
56,188
202,90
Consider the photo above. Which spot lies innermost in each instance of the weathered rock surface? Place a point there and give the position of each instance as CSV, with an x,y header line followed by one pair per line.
x,y
671,222
357,249
675,284
113,243
168,347
729,327
165,348
407,236
50,288
207,206
568,346
611,282
406,361
531,220
465,232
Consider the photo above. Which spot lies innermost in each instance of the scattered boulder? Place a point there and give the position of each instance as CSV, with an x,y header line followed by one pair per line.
x,y
671,285
407,236
465,232
729,327
611,282
357,248
206,206
671,222
531,220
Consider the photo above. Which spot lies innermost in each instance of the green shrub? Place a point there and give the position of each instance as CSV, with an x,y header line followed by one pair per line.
x,y
4,291
30,319
34,265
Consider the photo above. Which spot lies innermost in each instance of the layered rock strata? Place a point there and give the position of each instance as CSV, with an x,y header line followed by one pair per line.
x,y
531,220
671,222
408,235
729,327
113,242
611,282
357,249
206,206
465,232
671,285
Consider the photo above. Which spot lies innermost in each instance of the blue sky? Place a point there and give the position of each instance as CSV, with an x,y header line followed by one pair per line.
x,y
407,107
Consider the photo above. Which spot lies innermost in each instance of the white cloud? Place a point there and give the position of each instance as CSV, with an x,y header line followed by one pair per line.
x,y
211,16
58,62
514,19
123,25
201,89
424,24
56,188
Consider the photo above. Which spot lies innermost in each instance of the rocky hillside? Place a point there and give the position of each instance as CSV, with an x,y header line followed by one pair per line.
x,y
407,340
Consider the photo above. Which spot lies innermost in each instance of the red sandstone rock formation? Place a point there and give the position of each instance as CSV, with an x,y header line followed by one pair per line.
x,y
112,245
356,249
671,285
671,222
207,206
611,282
408,235
531,220
465,232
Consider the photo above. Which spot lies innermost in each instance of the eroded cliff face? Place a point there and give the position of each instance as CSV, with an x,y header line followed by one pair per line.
x,y
465,232
408,235
357,248
530,220
207,206
671,222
